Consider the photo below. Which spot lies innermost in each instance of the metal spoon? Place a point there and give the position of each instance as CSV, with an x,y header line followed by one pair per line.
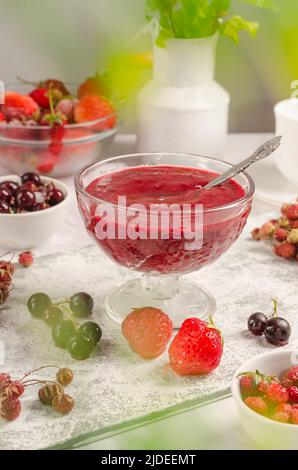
x,y
263,151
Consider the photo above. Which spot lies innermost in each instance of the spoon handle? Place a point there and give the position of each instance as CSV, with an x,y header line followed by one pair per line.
x,y
263,151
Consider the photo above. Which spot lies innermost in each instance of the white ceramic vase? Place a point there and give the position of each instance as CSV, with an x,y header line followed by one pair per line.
x,y
183,108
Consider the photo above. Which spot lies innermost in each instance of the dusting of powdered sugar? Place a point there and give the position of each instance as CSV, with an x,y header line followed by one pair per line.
x,y
114,386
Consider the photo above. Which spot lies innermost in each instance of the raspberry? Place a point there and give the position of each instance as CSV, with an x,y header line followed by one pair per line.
x,y
26,259
277,394
281,234
293,236
291,212
294,416
290,377
247,385
93,108
267,230
293,394
63,403
281,417
285,250
257,404
10,408
148,331
196,349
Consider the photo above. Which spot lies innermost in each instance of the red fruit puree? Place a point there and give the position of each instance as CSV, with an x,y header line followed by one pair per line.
x,y
168,185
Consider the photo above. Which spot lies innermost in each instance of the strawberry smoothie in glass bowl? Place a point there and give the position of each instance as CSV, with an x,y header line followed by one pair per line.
x,y
150,213
54,139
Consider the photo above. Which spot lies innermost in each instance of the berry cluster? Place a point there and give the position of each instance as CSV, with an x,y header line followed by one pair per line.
x,y
67,333
282,232
273,397
51,393
196,349
50,103
30,195
6,274
277,330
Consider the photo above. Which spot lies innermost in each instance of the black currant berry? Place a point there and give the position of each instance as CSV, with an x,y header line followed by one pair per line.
x,y
257,323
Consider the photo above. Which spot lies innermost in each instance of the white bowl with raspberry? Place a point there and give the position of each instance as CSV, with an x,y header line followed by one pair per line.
x,y
264,431
22,229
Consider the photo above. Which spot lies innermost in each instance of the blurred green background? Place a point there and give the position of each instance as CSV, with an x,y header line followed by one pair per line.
x,y
68,38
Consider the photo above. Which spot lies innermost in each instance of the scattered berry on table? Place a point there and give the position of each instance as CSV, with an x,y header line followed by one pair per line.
x,y
38,304
48,392
81,304
53,315
92,329
80,345
285,250
63,403
26,259
196,349
10,408
277,331
14,389
62,332
148,331
64,376
257,323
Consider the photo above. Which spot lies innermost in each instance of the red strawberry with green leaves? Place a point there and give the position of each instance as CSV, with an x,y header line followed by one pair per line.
x,y
41,97
197,348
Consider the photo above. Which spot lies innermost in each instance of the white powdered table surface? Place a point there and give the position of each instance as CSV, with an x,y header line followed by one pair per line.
x,y
115,388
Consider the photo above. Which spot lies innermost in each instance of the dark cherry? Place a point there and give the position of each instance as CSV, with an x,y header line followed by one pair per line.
x,y
32,177
26,199
257,323
4,207
55,196
277,331
12,186
5,195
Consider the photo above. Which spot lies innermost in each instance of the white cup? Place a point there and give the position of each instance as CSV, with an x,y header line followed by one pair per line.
x,y
286,118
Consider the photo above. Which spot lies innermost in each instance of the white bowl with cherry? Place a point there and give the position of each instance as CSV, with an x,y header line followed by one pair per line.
x,y
32,209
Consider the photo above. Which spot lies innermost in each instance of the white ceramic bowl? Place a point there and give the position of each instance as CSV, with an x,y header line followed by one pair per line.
x,y
266,433
31,229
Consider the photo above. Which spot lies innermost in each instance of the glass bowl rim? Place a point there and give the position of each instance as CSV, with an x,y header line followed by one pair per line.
x,y
79,186
9,86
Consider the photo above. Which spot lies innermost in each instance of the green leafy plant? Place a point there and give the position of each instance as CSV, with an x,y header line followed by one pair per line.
x,y
200,18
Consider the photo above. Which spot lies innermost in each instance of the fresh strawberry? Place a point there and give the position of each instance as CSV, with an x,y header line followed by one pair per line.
x,y
24,105
277,394
285,250
41,97
91,86
290,377
257,404
294,416
196,349
93,108
256,234
293,394
10,408
148,331
267,230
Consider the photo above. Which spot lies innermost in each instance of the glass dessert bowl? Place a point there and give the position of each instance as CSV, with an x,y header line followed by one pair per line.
x,y
147,212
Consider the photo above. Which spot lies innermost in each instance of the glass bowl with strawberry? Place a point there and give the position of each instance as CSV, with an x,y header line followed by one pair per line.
x,y
265,389
54,128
